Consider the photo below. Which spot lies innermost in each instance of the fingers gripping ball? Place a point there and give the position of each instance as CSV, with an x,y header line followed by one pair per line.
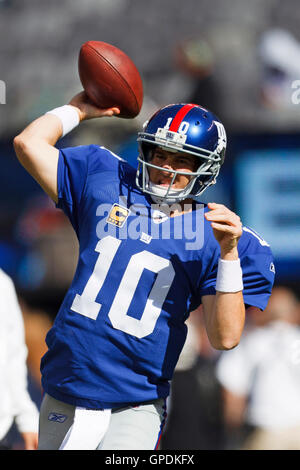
x,y
110,78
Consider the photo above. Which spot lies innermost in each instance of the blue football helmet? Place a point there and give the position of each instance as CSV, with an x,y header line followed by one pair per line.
x,y
186,128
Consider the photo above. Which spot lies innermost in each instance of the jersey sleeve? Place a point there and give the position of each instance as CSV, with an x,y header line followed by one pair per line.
x,y
257,263
258,270
74,166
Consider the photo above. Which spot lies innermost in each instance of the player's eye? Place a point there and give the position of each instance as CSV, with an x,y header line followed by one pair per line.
x,y
184,161
159,156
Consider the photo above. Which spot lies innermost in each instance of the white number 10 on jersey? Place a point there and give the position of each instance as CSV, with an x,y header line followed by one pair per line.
x,y
86,305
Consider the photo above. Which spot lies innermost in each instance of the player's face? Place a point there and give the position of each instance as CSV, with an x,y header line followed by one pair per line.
x,y
178,161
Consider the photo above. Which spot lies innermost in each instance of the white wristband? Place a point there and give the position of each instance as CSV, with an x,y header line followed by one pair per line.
x,y
229,276
69,117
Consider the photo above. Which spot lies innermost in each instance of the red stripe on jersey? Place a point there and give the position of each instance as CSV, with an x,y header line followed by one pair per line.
x,y
180,116
162,425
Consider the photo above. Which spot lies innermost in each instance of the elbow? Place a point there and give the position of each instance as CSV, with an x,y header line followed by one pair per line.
x,y
21,147
18,143
225,344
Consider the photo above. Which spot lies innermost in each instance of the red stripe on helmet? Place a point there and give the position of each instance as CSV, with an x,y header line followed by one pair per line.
x,y
180,116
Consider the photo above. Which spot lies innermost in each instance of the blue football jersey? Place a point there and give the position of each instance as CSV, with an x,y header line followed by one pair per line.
x,y
121,327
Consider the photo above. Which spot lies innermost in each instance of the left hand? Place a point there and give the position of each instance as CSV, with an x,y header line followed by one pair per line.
x,y
227,228
30,440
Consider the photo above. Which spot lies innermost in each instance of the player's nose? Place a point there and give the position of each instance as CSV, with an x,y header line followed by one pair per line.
x,y
167,169
168,164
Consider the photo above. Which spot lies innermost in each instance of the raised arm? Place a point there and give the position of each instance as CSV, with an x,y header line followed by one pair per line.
x,y
224,312
35,145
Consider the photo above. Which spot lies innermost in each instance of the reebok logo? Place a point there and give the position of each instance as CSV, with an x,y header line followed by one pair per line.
x,y
57,417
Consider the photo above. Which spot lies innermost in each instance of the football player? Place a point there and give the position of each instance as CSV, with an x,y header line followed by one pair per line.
x,y
121,327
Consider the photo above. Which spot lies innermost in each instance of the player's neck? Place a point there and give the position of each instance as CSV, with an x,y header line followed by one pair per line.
x,y
183,208
179,208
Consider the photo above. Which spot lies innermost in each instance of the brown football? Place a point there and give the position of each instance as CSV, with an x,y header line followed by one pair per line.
x,y
110,78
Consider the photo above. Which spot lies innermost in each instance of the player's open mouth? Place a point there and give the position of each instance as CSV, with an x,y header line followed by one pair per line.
x,y
166,183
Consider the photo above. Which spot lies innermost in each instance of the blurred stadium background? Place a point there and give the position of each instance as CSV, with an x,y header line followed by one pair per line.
x,y
241,59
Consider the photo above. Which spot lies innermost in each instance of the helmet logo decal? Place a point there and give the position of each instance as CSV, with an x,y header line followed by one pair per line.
x,y
222,140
